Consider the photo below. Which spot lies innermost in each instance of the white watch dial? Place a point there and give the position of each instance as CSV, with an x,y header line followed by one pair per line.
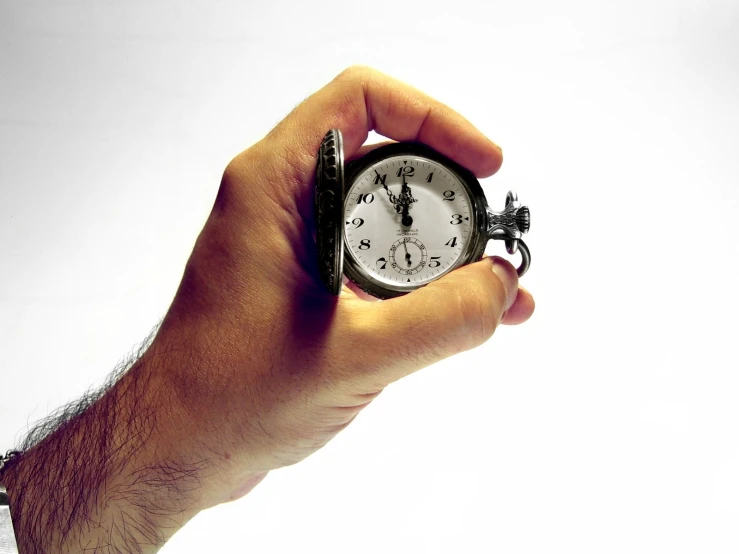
x,y
377,233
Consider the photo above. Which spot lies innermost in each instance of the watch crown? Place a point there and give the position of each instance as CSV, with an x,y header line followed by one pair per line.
x,y
512,222
523,219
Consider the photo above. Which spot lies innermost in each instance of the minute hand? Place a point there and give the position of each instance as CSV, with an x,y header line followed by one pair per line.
x,y
406,199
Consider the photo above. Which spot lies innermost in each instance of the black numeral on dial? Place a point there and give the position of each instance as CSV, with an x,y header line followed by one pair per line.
x,y
449,195
384,262
364,244
366,198
451,242
435,261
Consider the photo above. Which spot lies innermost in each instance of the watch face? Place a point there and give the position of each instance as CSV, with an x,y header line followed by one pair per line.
x,y
409,218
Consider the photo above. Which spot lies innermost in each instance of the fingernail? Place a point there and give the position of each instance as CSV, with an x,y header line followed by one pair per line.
x,y
508,276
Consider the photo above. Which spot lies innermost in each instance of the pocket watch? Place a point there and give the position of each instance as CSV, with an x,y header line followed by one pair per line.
x,y
402,216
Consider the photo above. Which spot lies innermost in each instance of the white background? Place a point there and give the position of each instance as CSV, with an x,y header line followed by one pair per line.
x,y
608,423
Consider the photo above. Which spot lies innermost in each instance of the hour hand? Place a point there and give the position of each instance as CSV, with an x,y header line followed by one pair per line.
x,y
407,220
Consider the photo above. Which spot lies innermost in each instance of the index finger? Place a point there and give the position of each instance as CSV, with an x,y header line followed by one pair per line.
x,y
360,100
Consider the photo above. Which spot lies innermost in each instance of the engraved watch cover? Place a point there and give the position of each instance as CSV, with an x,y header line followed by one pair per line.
x,y
329,204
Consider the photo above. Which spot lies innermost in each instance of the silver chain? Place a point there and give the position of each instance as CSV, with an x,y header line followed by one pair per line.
x,y
393,198
395,201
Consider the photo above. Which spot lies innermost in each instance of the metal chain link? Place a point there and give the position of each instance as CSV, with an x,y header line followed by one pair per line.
x,y
395,201
393,198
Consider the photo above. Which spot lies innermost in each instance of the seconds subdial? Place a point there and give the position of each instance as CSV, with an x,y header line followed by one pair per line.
x,y
408,256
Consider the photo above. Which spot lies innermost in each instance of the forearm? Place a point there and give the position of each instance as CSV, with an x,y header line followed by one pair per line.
x,y
104,481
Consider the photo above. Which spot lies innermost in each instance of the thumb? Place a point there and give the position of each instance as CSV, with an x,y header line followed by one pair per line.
x,y
452,314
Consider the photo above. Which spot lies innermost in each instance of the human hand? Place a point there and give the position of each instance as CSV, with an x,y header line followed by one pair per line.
x,y
255,365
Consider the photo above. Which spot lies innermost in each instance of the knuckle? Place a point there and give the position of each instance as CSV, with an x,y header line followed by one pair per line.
x,y
228,190
237,192
354,73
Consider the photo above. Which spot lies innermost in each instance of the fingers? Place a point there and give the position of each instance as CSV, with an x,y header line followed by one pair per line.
x,y
360,100
521,310
358,292
367,148
455,313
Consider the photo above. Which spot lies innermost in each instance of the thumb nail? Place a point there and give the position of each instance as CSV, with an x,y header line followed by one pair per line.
x,y
508,277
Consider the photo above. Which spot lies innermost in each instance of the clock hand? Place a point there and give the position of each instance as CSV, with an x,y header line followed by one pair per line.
x,y
405,201
407,193
407,220
407,255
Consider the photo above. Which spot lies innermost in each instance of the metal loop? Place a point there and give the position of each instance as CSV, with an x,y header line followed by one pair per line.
x,y
525,258
511,246
518,246
509,226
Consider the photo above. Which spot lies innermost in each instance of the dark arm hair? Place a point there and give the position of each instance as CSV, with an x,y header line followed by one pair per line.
x,y
88,478
64,414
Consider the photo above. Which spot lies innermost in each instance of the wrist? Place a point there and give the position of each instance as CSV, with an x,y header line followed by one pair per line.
x,y
102,480
184,435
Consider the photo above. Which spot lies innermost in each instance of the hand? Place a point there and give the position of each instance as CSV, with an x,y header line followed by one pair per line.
x,y
255,365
